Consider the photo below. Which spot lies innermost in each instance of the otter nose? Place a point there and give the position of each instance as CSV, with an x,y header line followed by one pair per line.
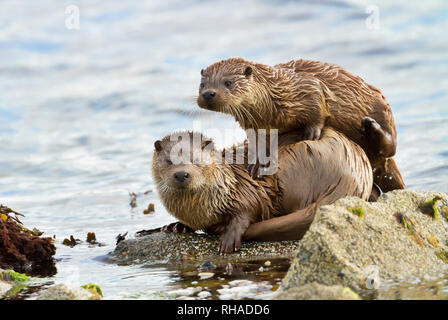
x,y
182,176
208,95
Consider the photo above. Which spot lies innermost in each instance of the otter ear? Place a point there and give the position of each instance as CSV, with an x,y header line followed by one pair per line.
x,y
158,145
202,72
207,143
248,71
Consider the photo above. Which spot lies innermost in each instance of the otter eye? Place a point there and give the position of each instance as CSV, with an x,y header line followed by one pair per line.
x,y
228,83
169,162
202,85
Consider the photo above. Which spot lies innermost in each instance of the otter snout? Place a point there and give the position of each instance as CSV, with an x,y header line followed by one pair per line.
x,y
182,177
208,95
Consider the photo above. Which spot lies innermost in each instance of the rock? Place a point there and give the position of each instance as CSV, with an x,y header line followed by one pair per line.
x,y
11,275
317,291
163,247
391,242
11,283
4,287
64,292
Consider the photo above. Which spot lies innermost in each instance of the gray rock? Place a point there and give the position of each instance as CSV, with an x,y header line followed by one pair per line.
x,y
4,287
162,247
317,291
65,292
374,251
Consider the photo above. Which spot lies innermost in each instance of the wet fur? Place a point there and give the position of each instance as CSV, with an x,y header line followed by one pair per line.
x,y
306,95
227,201
223,191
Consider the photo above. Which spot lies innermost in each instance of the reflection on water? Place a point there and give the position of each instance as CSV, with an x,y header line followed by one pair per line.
x,y
80,109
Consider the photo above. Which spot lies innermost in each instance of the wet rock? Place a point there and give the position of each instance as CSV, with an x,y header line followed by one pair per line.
x,y
392,242
174,248
12,283
5,286
65,292
317,291
207,265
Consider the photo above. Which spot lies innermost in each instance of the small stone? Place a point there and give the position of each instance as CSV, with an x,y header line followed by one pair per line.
x,y
207,265
205,275
204,294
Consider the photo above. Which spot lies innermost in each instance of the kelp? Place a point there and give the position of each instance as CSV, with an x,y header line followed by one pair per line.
x,y
21,249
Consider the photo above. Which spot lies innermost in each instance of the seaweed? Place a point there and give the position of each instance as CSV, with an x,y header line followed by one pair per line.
x,y
442,255
93,288
11,275
15,290
410,227
22,249
356,211
91,237
121,237
432,241
429,207
150,209
70,242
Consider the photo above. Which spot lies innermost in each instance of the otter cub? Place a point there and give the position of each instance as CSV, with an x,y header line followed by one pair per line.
x,y
207,193
306,95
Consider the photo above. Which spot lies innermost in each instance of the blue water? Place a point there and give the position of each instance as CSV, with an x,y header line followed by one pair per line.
x,y
80,109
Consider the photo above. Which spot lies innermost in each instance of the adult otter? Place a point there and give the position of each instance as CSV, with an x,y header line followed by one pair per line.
x,y
306,95
221,198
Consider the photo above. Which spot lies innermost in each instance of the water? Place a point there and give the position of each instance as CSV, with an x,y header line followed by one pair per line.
x,y
80,109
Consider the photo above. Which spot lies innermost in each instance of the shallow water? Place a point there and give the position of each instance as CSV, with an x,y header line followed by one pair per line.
x,y
80,109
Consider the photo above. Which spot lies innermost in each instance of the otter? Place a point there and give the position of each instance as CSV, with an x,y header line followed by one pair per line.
x,y
220,197
307,96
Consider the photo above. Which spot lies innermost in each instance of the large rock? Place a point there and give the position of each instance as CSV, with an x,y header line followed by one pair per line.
x,y
317,291
66,292
368,246
173,248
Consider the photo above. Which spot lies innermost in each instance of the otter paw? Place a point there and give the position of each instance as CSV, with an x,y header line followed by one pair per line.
x,y
312,133
176,227
229,243
369,126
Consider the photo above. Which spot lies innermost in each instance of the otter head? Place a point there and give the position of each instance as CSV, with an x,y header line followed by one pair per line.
x,y
182,161
229,86
191,182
